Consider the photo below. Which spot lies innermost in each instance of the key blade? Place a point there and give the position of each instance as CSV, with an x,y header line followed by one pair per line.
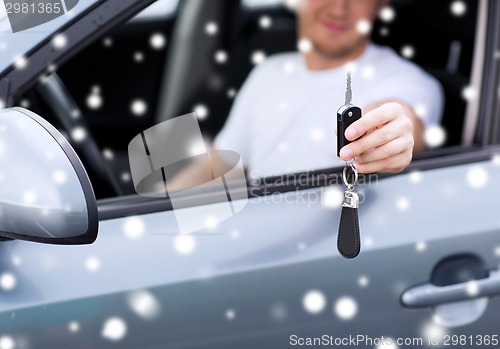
x,y
348,93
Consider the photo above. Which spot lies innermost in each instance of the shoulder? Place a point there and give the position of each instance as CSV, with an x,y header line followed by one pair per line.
x,y
276,63
393,66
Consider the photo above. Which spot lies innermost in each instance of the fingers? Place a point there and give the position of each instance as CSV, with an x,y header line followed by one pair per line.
x,y
390,149
378,137
394,164
375,118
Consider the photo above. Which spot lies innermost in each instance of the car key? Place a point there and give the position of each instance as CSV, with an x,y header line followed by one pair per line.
x,y
348,238
346,115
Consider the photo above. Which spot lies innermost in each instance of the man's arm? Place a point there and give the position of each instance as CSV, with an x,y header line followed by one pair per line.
x,y
391,133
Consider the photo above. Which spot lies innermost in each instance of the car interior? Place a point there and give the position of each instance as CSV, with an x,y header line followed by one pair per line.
x,y
166,62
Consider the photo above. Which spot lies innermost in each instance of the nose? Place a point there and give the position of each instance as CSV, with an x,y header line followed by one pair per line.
x,y
338,8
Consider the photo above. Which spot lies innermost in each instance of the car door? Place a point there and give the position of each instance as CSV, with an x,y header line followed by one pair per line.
x,y
271,276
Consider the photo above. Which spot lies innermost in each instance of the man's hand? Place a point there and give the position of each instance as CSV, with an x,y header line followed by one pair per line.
x,y
388,139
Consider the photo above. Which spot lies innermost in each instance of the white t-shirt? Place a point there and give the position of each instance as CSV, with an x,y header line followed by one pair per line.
x,y
284,117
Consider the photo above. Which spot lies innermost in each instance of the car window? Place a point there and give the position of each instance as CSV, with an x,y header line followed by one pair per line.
x,y
120,81
13,46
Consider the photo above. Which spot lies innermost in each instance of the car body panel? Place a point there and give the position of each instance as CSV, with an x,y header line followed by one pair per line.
x,y
279,253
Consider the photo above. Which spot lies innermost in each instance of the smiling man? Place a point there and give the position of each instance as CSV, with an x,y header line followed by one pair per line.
x,y
284,117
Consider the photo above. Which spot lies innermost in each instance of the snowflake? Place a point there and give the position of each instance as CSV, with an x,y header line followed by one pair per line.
x,y
74,326
197,148
435,136
289,68
317,134
495,159
144,304
469,93
384,31
458,8
107,42
477,177
258,57
59,177
211,28
387,14
364,27
21,62
138,107
265,22
346,308
59,41
184,244
497,251
415,177
403,204
94,100
363,281
92,264
157,41
304,45
25,103
231,93
138,57
201,111
114,329
408,51
211,223
220,56
108,154
29,197
314,302
125,177
421,110
7,281
134,227
368,72
7,342
78,134
230,314
472,288
421,246
332,197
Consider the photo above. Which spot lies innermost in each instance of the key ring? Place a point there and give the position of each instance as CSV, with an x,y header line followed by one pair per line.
x,y
350,186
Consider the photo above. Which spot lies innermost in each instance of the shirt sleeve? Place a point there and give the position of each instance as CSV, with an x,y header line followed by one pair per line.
x,y
236,133
418,89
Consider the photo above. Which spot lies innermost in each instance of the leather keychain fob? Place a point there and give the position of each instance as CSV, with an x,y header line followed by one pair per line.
x,y
348,239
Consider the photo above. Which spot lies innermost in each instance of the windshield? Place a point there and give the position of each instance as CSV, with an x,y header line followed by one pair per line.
x,y
26,23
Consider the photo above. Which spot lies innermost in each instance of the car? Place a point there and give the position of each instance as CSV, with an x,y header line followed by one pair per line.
x,y
270,276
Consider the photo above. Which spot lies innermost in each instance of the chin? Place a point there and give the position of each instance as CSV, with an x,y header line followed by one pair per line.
x,y
334,51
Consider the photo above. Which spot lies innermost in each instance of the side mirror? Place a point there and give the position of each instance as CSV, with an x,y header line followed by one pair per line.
x,y
45,193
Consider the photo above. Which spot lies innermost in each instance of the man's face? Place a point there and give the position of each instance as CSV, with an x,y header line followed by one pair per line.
x,y
337,28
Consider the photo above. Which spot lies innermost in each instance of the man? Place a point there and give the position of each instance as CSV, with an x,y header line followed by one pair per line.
x,y
284,118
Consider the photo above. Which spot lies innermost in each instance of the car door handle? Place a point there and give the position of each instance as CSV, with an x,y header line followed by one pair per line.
x,y
428,294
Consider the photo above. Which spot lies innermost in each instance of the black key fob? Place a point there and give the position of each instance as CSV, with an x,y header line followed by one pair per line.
x,y
346,115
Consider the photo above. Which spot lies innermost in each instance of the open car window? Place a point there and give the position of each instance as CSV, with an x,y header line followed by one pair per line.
x,y
123,81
